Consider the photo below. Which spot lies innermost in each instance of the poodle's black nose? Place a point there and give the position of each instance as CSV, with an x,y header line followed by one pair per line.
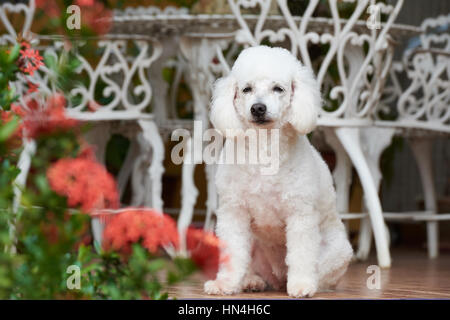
x,y
258,110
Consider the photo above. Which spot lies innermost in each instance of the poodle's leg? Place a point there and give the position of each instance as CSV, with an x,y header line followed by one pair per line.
x,y
233,229
253,282
263,265
260,272
303,243
336,253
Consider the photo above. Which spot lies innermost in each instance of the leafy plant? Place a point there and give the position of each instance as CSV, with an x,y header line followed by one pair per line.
x,y
42,236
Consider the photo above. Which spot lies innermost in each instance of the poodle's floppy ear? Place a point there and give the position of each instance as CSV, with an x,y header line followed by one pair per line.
x,y
223,114
305,100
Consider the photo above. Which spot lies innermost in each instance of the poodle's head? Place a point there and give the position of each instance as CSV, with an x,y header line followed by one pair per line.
x,y
266,88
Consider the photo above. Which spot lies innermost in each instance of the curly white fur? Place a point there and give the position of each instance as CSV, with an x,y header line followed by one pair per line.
x,y
281,230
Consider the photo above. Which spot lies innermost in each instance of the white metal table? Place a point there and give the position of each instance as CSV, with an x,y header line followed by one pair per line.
x,y
362,57
202,47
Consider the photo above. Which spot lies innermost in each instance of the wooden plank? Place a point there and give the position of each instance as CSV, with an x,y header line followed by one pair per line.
x,y
411,276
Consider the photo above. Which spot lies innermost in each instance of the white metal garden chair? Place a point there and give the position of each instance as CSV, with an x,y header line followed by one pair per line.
x,y
124,76
423,113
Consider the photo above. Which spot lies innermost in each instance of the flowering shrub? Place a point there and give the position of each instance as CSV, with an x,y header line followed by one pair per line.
x,y
154,230
47,232
84,182
29,60
40,119
204,248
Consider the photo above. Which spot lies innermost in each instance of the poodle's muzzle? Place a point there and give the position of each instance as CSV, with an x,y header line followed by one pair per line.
x,y
259,111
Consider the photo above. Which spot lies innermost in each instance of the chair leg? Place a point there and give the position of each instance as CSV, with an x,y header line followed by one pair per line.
x,y
99,136
189,193
375,140
364,240
422,148
127,167
138,174
151,135
350,139
24,163
97,229
342,173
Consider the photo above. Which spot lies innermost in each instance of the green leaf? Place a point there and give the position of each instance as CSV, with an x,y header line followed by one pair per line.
x,y
156,265
98,247
50,61
42,184
8,128
14,53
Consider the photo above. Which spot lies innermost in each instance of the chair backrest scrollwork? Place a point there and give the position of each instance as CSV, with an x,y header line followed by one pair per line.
x,y
7,10
353,60
112,83
425,102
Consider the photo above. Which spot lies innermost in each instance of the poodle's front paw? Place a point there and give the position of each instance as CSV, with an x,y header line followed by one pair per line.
x,y
220,287
300,288
253,283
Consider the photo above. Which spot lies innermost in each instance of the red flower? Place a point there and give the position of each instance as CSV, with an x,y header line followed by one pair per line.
x,y
93,106
154,230
86,151
85,2
204,248
84,182
30,60
32,87
51,8
38,119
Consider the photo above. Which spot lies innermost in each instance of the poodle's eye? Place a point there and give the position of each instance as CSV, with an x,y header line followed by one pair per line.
x,y
278,89
247,90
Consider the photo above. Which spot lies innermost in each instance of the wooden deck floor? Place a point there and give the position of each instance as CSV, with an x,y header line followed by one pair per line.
x,y
411,276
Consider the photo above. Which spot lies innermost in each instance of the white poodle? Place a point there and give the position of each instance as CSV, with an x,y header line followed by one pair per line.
x,y
281,230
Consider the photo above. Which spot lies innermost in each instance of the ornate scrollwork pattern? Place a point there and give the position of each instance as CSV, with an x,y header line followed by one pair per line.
x,y
360,56
116,82
123,75
7,12
425,102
